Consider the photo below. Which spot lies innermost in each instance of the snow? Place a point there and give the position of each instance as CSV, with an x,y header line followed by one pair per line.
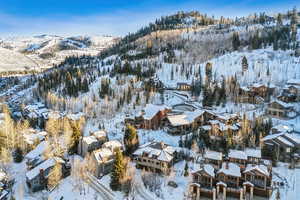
x,y
213,155
209,169
232,170
102,154
162,151
178,120
237,154
261,168
255,153
90,139
112,145
36,171
151,110
285,141
38,151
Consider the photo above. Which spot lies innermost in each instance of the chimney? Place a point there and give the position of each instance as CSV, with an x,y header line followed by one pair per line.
x,y
226,164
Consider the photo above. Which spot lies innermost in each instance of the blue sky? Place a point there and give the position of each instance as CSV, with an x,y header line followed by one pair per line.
x,y
113,17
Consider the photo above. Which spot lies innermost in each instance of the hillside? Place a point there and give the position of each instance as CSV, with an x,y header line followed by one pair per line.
x,y
43,51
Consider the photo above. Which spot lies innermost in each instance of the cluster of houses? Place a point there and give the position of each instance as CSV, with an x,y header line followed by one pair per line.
x,y
5,185
255,93
242,174
283,144
38,114
101,150
185,118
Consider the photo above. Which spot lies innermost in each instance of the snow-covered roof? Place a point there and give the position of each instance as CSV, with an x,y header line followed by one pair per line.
x,y
156,150
103,154
99,134
283,128
112,145
191,116
213,155
293,82
230,169
285,141
32,136
89,139
43,166
293,137
151,110
206,127
207,168
255,153
76,116
38,151
271,136
261,168
237,154
178,120
283,104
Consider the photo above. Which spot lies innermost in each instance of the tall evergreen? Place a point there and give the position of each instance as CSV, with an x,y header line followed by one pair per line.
x,y
118,172
131,140
236,41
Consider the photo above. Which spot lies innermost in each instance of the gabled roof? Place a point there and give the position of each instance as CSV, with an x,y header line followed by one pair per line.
x,y
207,168
237,154
151,110
260,168
293,82
213,155
232,169
178,120
157,150
255,153
43,166
283,104
103,154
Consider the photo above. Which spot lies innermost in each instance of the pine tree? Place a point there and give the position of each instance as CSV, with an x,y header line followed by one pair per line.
x,y
131,140
18,155
236,41
186,169
208,72
118,172
244,64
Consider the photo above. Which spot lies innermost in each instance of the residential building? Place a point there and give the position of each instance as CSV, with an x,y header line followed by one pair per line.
x,y
213,158
281,109
155,156
36,178
90,143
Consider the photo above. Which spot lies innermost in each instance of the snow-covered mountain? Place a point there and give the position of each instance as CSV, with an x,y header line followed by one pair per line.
x,y
39,52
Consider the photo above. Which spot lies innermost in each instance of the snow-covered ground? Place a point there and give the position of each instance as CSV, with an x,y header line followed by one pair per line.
x,y
26,53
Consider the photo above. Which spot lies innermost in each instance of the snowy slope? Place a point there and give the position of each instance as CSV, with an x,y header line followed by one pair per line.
x,y
40,52
282,67
11,60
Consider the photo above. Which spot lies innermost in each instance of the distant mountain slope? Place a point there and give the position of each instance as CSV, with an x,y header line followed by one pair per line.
x,y
40,52
11,60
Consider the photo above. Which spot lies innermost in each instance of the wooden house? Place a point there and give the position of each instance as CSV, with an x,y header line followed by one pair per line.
x,y
257,180
104,157
280,109
238,157
156,156
229,179
213,158
203,183
153,116
183,86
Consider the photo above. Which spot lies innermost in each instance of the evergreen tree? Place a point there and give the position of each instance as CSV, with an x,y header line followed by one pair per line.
x,y
236,41
118,172
208,72
131,140
244,64
18,155
186,169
